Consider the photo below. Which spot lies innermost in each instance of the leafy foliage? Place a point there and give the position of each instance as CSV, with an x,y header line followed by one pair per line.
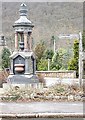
x,y
39,51
73,63
42,65
83,40
59,60
5,58
76,49
48,54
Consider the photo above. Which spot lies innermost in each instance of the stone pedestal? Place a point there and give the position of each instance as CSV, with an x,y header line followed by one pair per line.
x,y
25,60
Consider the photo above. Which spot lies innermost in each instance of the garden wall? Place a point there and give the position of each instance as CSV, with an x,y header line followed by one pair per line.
x,y
58,74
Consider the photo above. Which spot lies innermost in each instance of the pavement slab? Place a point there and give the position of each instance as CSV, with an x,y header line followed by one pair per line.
x,y
41,107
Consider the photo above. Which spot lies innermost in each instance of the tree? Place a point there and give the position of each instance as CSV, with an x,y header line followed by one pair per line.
x,y
5,58
42,65
73,63
48,55
83,40
39,52
76,49
59,60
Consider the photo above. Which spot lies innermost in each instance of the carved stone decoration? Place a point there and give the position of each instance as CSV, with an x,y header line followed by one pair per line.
x,y
23,63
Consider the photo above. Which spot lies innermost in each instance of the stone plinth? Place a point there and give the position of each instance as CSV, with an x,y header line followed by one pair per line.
x,y
22,79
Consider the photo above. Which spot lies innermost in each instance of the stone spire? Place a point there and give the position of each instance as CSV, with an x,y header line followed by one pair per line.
x,y
23,20
23,10
23,28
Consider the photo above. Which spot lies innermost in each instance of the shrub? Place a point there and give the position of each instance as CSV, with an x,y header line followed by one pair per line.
x,y
42,65
5,58
73,63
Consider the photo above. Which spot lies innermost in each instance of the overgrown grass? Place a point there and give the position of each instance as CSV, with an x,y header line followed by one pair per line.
x,y
40,94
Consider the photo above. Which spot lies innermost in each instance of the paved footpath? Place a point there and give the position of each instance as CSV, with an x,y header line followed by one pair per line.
x,y
41,107
42,111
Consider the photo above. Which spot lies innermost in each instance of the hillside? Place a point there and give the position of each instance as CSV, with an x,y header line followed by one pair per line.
x,y
49,18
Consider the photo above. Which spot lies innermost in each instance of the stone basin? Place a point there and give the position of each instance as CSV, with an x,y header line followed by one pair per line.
x,y
19,67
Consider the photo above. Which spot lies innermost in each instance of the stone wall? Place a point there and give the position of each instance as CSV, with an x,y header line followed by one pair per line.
x,y
58,74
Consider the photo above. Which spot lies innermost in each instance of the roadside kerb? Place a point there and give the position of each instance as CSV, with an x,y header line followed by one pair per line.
x,y
43,115
69,97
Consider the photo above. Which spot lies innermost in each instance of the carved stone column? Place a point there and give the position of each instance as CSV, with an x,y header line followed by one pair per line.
x,y
16,41
11,71
26,66
20,37
30,42
25,41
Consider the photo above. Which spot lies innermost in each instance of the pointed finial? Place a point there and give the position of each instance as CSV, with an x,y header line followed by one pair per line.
x,y
23,10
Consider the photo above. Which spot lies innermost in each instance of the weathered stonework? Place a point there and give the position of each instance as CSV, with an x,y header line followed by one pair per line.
x,y
23,63
58,74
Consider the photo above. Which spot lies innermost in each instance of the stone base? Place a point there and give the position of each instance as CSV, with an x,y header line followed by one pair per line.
x,y
22,79
9,87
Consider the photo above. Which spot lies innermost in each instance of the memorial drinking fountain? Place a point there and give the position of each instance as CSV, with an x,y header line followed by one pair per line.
x,y
23,63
